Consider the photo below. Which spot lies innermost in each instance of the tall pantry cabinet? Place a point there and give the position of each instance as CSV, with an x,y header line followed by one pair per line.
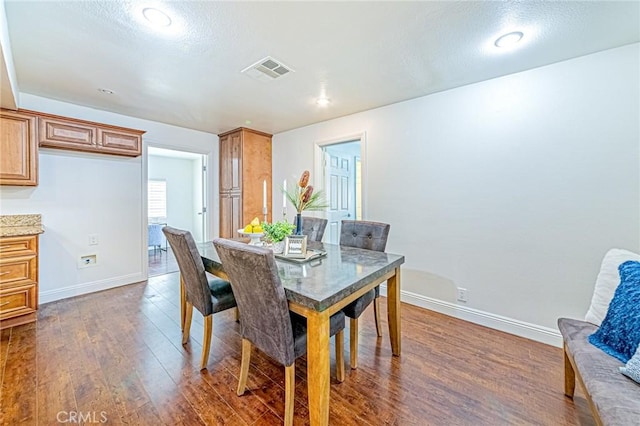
x,y
245,169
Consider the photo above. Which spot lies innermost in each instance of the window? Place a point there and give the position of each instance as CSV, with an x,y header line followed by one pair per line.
x,y
157,200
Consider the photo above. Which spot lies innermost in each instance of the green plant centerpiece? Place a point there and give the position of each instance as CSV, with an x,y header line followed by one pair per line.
x,y
277,231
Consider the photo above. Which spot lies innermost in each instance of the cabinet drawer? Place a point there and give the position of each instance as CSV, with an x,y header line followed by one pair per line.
x,y
18,270
18,246
18,301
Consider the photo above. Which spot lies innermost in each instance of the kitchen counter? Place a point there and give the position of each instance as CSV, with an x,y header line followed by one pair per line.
x,y
20,224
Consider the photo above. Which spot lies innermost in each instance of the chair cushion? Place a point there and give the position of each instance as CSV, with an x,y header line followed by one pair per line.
x,y
221,294
619,333
299,325
615,396
357,307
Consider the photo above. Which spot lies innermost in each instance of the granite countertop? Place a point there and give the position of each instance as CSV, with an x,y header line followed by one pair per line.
x,y
20,224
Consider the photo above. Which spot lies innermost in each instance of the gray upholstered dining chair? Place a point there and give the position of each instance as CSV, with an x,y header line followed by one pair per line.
x,y
370,236
207,293
265,319
313,228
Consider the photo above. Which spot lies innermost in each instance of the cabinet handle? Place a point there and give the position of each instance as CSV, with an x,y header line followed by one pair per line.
x,y
5,303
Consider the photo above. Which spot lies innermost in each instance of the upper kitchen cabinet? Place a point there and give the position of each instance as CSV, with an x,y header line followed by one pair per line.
x,y
18,148
80,135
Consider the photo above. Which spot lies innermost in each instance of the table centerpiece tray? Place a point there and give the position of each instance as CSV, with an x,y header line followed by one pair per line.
x,y
311,254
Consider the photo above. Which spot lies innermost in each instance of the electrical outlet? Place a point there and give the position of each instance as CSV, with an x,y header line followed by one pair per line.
x,y
87,260
462,295
93,239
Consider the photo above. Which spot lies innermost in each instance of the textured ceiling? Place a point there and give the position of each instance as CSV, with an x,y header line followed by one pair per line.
x,y
362,55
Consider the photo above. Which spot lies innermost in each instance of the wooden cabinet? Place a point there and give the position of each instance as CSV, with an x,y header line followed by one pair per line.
x,y
18,149
245,165
18,280
80,135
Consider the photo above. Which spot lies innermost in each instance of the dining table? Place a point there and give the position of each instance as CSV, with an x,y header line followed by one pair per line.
x,y
320,287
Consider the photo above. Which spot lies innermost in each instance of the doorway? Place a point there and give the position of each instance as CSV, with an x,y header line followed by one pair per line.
x,y
176,196
342,179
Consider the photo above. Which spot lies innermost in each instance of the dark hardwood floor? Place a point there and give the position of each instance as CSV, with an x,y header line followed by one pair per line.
x,y
116,356
162,262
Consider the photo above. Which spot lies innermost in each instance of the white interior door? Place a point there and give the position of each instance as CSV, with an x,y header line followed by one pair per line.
x,y
339,184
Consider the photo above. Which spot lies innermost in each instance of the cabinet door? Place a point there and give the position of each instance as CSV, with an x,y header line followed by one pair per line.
x,y
230,215
231,162
18,145
119,142
67,134
256,169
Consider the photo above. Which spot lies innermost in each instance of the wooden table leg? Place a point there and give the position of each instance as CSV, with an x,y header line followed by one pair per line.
x,y
393,312
183,303
318,366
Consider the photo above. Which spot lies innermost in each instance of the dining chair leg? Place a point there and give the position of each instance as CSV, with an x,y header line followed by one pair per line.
x,y
183,302
340,356
376,313
206,340
237,314
188,312
244,366
353,343
289,393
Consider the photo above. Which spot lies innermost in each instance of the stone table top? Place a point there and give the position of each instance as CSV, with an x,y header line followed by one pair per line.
x,y
322,282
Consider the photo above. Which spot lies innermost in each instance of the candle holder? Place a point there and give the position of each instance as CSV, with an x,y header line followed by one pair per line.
x,y
264,212
284,212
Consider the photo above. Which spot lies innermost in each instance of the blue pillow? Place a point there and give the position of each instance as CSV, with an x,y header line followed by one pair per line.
x,y
632,369
619,333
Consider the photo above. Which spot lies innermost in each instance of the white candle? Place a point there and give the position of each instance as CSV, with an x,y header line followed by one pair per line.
x,y
284,197
264,194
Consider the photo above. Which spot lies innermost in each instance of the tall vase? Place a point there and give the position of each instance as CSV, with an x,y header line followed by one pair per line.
x,y
299,224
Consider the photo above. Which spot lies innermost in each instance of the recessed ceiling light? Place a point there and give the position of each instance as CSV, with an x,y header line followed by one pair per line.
x,y
323,102
106,91
156,17
509,39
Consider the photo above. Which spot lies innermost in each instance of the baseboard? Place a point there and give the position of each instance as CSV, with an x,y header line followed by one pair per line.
x,y
498,322
508,325
90,287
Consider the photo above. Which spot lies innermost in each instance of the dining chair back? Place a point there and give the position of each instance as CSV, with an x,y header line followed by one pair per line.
x,y
364,234
262,302
313,228
370,236
207,294
265,319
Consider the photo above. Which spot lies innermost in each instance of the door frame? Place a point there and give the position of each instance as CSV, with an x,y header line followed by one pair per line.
x,y
208,191
319,170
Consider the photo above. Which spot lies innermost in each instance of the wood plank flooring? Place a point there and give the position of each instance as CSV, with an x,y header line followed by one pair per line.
x,y
115,357
162,262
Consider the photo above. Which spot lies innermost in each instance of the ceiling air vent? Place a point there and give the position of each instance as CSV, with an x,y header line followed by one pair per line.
x,y
267,69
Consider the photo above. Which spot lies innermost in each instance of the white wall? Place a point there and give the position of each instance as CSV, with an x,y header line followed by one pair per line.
x,y
83,193
512,188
